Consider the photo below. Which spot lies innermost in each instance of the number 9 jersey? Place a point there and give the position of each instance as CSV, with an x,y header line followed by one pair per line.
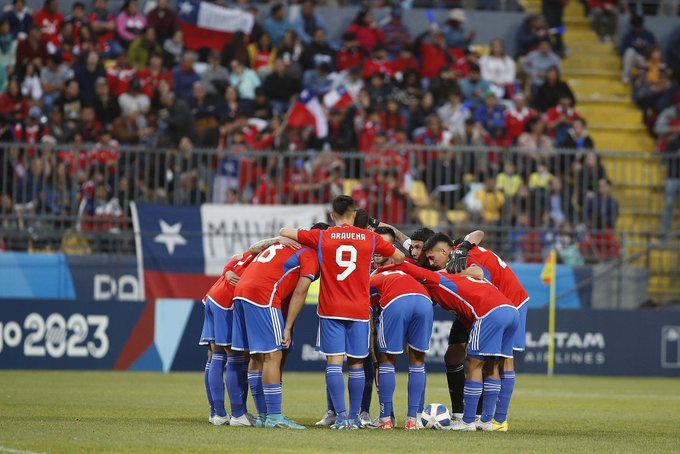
x,y
345,254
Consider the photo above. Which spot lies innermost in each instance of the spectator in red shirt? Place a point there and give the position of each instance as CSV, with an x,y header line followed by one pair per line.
x,y
49,19
350,54
104,25
151,76
32,48
366,32
268,191
433,54
560,118
404,62
12,103
378,63
516,116
119,75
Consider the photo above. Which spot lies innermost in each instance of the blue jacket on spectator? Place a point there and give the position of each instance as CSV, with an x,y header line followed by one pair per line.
x,y
640,40
601,211
184,82
276,30
456,37
490,118
16,24
306,26
473,92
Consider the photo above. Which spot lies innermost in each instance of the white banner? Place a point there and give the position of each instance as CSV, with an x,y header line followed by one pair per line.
x,y
221,19
231,229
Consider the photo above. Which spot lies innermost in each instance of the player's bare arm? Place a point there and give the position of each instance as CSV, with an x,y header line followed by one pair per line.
x,y
297,301
398,257
264,244
400,236
475,237
289,232
473,271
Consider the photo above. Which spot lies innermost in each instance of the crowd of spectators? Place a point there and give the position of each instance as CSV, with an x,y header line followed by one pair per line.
x,y
84,85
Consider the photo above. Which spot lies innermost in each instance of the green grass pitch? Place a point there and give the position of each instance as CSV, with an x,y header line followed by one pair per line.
x,y
153,412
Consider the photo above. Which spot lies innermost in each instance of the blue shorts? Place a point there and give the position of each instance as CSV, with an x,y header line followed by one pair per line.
x,y
343,337
216,324
407,320
494,335
521,334
258,329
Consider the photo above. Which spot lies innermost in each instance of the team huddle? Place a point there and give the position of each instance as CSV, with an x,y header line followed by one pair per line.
x,y
375,303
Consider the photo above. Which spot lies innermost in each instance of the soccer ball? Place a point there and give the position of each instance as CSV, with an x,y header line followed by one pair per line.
x,y
436,416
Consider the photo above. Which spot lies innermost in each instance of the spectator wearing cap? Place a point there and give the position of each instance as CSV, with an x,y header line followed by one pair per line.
x,y
454,31
498,69
163,20
244,79
396,34
280,87
53,77
184,76
87,72
142,47
537,63
277,24
129,23
49,19
634,46
317,51
19,17
308,21
553,88
474,88
215,77
363,26
32,48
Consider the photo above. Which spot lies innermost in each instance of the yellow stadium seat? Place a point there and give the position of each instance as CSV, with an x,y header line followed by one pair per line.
x,y
419,193
429,217
348,185
456,216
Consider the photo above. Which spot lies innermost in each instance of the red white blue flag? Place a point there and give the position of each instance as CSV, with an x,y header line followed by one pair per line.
x,y
205,24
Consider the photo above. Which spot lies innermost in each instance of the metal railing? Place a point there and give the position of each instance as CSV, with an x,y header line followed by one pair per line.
x,y
594,206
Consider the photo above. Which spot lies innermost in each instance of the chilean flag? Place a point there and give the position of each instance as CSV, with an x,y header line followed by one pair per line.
x,y
205,24
308,111
337,98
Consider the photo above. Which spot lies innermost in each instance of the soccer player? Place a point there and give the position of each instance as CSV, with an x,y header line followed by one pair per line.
x,y
345,256
405,318
258,322
497,272
492,322
217,335
363,221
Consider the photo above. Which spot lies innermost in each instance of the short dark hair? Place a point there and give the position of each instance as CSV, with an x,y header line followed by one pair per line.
x,y
435,239
343,205
637,21
360,218
386,231
275,8
422,234
320,226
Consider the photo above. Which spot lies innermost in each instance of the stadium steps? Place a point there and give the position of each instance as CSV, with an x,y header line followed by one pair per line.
x,y
615,123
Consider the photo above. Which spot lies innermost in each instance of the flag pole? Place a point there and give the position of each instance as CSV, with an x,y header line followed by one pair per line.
x,y
551,312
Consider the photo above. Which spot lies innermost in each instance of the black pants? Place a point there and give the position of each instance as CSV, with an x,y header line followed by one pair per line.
x,y
554,12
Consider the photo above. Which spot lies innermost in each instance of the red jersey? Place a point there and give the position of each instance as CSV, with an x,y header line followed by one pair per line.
x,y
499,274
49,23
470,298
222,291
274,273
345,256
387,286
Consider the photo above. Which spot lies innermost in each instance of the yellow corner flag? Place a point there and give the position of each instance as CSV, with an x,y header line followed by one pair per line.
x,y
548,276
